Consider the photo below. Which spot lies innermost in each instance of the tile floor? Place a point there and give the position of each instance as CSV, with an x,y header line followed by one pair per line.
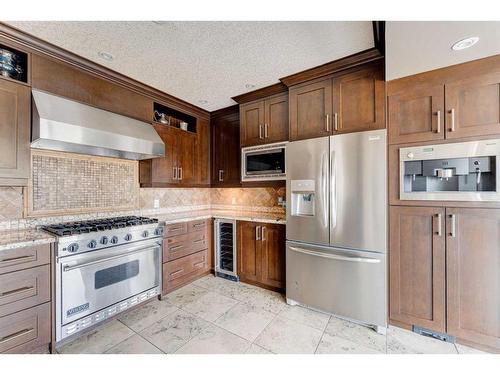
x,y
213,315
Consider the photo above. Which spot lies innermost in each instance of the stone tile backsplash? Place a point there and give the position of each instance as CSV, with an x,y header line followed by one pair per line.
x,y
67,187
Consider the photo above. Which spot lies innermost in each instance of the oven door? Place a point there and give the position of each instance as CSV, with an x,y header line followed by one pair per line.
x,y
92,281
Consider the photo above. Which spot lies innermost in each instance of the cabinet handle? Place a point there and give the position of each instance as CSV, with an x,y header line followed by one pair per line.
x,y
262,234
453,232
336,121
176,272
438,122
180,173
24,258
173,248
15,335
452,113
199,241
327,123
175,173
257,233
199,263
438,232
260,131
266,127
16,291
221,175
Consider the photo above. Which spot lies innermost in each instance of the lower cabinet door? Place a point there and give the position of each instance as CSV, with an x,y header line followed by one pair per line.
x,y
273,255
184,270
473,275
417,266
249,251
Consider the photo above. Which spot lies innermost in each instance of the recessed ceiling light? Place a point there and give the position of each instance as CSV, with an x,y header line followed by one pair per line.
x,y
249,86
465,43
203,101
105,56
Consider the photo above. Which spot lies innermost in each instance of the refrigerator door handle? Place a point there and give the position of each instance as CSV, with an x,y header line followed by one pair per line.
x,y
333,190
335,256
324,187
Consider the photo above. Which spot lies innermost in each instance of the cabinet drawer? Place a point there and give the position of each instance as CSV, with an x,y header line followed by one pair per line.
x,y
197,225
23,289
175,229
180,246
24,257
25,331
181,271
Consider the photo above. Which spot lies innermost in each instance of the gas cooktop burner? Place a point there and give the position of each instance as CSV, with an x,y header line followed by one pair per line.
x,y
78,227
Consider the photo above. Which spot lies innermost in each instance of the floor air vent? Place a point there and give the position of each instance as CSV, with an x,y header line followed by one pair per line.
x,y
433,334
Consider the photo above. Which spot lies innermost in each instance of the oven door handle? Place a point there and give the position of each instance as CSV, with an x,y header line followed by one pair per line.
x,y
67,268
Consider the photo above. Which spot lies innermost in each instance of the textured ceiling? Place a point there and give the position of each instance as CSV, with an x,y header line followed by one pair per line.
x,y
210,61
417,46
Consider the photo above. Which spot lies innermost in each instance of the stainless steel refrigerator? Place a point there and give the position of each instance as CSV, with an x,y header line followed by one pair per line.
x,y
336,225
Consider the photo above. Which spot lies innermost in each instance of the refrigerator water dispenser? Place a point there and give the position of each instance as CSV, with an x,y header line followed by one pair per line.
x,y
303,197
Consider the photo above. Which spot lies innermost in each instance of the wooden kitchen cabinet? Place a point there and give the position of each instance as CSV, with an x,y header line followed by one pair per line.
x,y
261,254
15,123
181,164
273,255
473,275
187,248
417,266
473,106
264,121
417,114
359,101
311,110
226,151
347,102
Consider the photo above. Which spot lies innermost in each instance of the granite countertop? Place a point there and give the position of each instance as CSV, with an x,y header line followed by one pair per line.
x,y
10,239
263,217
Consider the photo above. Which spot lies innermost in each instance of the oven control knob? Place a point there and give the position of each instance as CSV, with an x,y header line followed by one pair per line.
x,y
104,240
73,248
145,234
114,239
92,244
128,237
158,231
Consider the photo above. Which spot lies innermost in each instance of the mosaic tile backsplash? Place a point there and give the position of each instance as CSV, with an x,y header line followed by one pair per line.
x,y
63,183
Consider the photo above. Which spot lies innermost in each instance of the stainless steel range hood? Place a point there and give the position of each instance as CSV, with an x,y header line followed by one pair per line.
x,y
65,125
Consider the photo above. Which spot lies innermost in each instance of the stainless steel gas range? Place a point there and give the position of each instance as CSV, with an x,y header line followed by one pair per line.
x,y
104,267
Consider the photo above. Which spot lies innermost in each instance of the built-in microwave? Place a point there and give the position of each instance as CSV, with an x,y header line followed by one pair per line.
x,y
466,171
261,163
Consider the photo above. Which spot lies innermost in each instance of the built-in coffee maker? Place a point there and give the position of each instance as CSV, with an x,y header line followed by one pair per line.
x,y
466,171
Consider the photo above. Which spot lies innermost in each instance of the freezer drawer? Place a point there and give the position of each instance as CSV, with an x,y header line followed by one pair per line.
x,y
346,283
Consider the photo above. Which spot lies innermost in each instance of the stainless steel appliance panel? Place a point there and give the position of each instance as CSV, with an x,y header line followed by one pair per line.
x,y
92,281
358,185
307,170
346,283
263,163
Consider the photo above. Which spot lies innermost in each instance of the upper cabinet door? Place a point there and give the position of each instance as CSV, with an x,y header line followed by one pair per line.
x,y
276,119
252,123
417,266
164,170
311,110
416,115
473,106
358,101
15,115
473,274
187,158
